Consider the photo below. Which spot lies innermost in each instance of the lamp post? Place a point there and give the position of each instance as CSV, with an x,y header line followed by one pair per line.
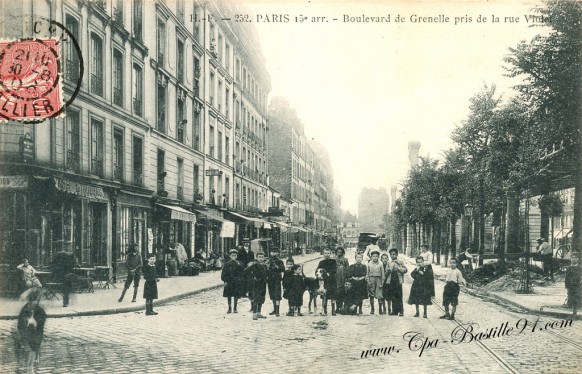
x,y
468,210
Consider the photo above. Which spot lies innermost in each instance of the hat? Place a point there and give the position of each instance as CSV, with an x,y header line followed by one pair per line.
x,y
424,246
540,239
393,250
375,251
259,253
246,240
233,251
275,250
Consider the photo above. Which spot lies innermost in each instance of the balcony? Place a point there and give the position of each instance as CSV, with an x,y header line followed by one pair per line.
x,y
97,167
117,96
137,106
137,178
73,161
117,172
97,84
180,193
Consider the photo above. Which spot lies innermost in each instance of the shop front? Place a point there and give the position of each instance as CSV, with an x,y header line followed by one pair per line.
x,y
215,236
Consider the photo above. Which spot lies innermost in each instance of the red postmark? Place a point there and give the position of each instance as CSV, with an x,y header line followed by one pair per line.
x,y
30,85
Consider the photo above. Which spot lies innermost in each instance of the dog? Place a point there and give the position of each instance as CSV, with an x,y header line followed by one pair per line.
x,y
29,334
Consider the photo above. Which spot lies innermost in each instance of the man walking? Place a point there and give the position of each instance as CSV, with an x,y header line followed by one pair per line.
x,y
133,263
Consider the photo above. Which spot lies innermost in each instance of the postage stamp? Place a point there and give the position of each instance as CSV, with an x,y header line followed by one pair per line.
x,y
30,84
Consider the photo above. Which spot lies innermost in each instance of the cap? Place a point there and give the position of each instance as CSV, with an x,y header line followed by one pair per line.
x,y
233,251
540,239
275,250
246,240
393,250
375,251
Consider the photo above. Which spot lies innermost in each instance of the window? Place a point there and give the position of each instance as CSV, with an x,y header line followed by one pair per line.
x,y
225,203
211,141
227,150
96,147
196,130
96,65
211,191
196,182
237,70
118,155
219,47
137,147
244,74
137,20
161,167
181,129
212,88
137,90
227,103
237,113
197,77
180,62
161,94
219,98
161,42
227,57
70,53
73,143
180,10
180,190
118,12
117,78
219,147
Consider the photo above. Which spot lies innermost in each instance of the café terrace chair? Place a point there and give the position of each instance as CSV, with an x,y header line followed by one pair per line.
x,y
103,278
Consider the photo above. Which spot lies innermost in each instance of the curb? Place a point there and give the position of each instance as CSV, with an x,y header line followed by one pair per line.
x,y
136,308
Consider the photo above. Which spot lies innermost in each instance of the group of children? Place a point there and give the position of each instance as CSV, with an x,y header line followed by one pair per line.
x,y
346,286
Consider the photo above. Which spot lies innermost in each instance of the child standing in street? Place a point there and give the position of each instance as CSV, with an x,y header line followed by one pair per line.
x,y
452,288
330,266
150,288
232,276
394,280
257,274
420,292
275,268
287,277
375,279
573,283
357,276
385,300
297,290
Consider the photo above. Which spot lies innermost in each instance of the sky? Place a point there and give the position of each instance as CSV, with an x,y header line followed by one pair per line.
x,y
365,89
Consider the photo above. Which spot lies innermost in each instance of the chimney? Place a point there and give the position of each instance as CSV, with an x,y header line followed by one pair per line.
x,y
413,148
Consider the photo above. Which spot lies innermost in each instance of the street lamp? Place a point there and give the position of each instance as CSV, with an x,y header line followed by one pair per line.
x,y
469,210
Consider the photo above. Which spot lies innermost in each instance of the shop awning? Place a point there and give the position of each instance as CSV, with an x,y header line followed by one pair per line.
x,y
267,225
180,214
210,214
256,221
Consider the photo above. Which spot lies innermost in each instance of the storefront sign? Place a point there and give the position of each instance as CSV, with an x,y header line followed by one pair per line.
x,y
227,230
27,148
13,182
189,217
79,189
150,241
213,172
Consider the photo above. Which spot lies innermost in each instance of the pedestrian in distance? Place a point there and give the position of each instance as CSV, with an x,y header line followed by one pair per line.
x,y
232,275
546,254
421,287
357,276
133,264
330,266
296,290
256,273
385,301
62,267
150,288
287,278
275,268
375,279
573,284
395,279
427,257
453,282
341,272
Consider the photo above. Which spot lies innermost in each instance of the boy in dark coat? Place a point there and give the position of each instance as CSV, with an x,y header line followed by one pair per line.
x,y
232,275
150,288
297,290
351,300
573,283
287,277
275,269
62,268
330,266
256,273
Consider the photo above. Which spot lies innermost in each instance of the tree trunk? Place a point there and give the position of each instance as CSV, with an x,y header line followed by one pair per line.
x,y
453,249
512,228
481,221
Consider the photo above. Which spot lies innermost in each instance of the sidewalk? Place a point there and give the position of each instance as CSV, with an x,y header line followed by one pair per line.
x,y
104,301
545,300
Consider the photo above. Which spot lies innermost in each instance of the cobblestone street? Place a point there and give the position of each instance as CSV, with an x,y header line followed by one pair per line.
x,y
196,335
